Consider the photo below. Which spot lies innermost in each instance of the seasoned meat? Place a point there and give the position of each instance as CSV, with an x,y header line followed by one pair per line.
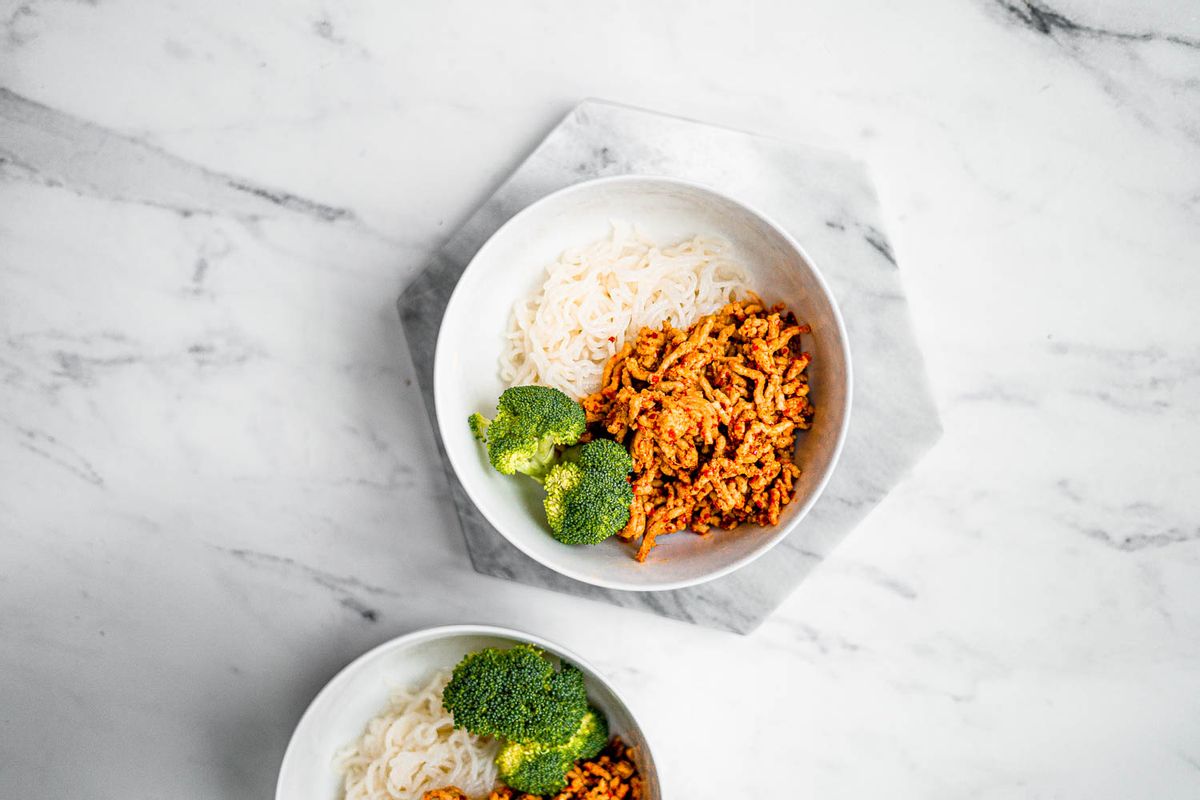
x,y
709,415
448,793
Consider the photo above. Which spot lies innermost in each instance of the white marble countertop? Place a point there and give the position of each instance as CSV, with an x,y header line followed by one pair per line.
x,y
216,476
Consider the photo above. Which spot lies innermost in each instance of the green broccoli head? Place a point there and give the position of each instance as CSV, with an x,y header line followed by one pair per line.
x,y
517,694
539,769
588,501
530,422
560,482
532,768
590,737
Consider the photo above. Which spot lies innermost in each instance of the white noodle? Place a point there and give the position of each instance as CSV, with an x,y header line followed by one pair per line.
x,y
596,296
413,747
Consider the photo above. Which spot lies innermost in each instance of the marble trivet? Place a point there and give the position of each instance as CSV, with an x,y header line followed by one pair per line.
x,y
827,202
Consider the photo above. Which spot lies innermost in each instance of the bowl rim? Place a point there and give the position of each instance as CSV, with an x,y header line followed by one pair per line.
x,y
434,633
769,542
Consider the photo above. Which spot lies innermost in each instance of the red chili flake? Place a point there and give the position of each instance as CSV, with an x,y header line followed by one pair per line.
x,y
612,338
654,379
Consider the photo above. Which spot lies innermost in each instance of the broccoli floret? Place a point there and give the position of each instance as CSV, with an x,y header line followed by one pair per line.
x,y
588,501
532,768
590,737
479,425
530,422
517,694
538,769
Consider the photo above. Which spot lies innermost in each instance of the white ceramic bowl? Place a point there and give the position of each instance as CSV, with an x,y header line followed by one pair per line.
x,y
512,264
340,712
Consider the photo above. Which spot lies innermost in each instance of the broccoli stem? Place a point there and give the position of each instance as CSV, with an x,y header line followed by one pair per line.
x,y
546,458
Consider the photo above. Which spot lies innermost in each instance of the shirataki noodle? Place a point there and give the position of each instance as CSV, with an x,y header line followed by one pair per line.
x,y
413,747
595,297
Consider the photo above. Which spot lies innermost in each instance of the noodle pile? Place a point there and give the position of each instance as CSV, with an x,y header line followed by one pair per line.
x,y
596,296
413,747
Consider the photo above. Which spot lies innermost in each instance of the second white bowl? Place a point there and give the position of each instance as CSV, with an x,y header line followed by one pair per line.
x,y
340,712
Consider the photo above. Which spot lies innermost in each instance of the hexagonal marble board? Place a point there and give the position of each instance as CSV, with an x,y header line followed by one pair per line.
x,y
827,202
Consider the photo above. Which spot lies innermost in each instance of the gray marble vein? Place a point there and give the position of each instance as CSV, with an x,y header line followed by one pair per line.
x,y
827,202
1045,19
1132,60
43,142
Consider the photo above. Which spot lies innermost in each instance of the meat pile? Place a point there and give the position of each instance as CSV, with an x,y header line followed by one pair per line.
x,y
709,415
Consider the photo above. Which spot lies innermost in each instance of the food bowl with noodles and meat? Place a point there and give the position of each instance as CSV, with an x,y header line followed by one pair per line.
x,y
468,712
642,383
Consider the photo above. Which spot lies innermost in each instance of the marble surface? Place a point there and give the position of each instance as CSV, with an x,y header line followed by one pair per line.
x,y
827,203
217,478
